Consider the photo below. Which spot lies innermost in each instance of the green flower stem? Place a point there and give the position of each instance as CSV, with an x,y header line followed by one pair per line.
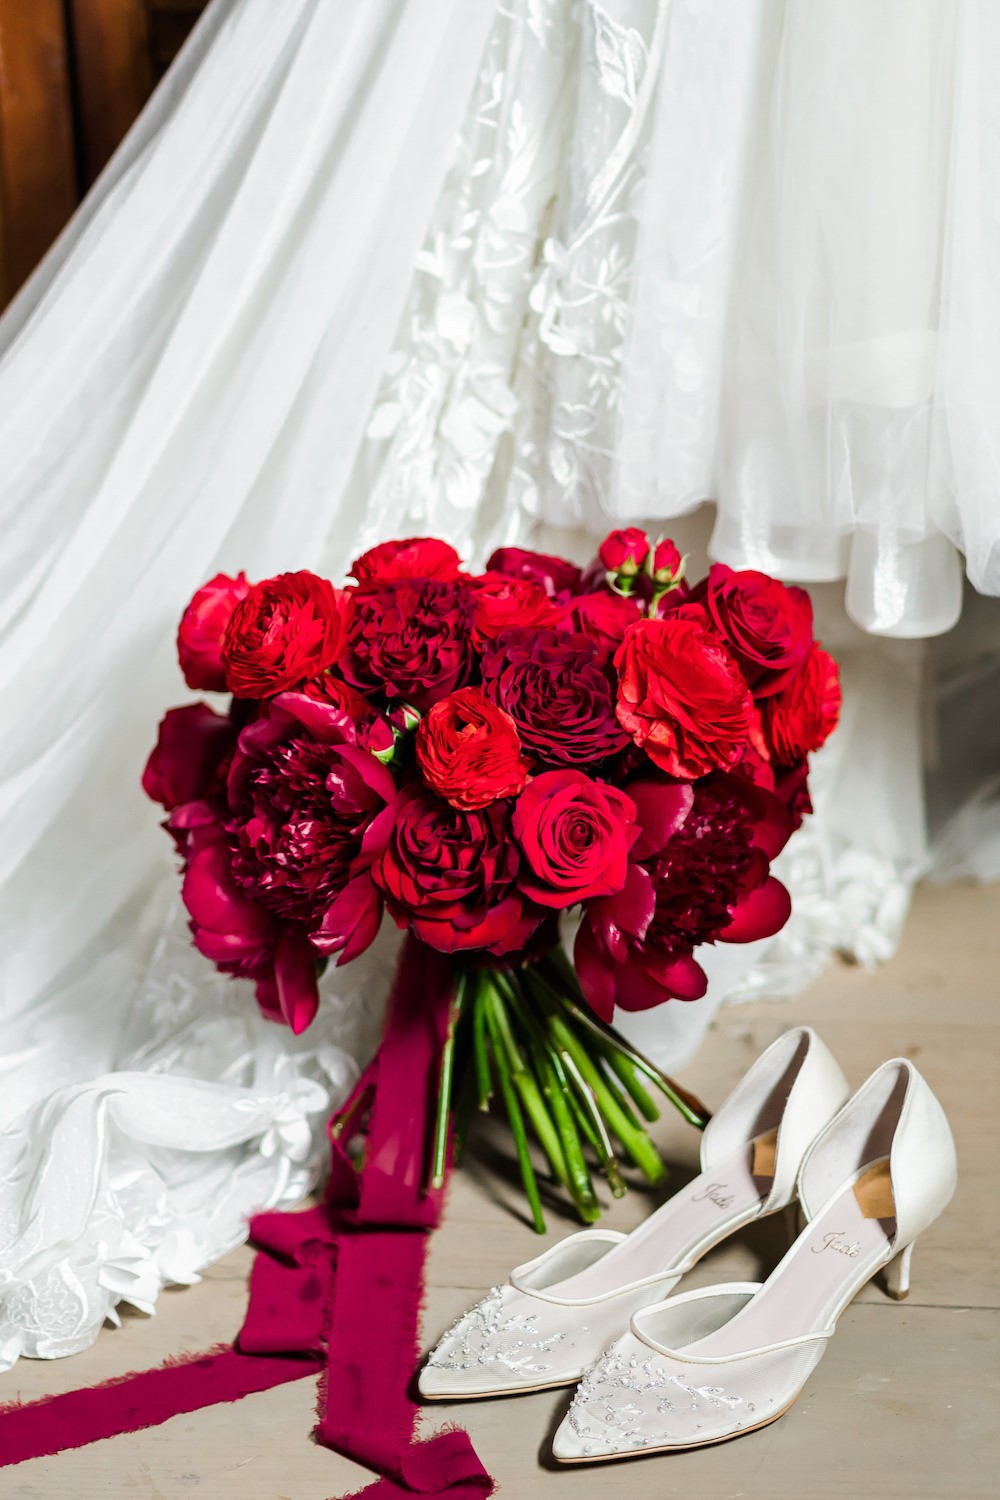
x,y
572,1000
480,1051
440,1156
523,1079
516,1121
635,1142
562,1106
462,1115
625,1072
605,1150
619,1090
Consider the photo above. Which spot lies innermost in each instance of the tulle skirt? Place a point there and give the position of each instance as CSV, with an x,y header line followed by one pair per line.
x,y
815,341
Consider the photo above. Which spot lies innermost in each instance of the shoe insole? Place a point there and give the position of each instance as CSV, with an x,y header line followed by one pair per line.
x,y
830,1261
686,1225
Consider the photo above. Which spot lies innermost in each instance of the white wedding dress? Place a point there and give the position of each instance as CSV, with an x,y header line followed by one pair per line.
x,y
489,271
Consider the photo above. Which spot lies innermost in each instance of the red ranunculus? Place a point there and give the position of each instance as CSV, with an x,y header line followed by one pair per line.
x,y
765,624
286,629
624,551
450,876
603,616
800,717
708,881
190,750
203,629
554,574
557,691
575,835
469,752
417,557
503,603
412,641
682,697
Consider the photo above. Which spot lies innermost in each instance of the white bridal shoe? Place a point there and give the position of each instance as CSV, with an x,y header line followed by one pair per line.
x,y
724,1360
556,1313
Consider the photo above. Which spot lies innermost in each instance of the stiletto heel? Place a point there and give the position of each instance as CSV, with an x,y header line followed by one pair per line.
x,y
724,1360
897,1274
550,1321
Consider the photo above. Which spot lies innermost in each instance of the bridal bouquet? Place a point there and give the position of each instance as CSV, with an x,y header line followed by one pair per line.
x,y
480,755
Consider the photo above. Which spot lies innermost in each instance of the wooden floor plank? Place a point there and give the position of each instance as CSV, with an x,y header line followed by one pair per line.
x,y
905,1404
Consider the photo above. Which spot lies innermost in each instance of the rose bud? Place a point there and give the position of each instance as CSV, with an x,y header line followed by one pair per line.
x,y
624,552
203,629
668,564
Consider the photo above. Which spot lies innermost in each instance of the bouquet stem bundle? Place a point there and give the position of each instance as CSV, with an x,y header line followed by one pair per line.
x,y
523,1037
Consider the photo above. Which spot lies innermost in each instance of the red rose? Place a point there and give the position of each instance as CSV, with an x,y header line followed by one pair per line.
x,y
804,713
286,629
559,694
191,747
418,557
766,625
412,641
450,876
667,561
682,697
554,574
624,551
503,603
575,835
203,628
469,752
603,616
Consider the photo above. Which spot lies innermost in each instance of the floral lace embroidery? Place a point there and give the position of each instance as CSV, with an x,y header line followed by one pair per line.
x,y
485,1336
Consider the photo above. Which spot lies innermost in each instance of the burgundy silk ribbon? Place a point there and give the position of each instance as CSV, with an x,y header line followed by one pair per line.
x,y
335,1290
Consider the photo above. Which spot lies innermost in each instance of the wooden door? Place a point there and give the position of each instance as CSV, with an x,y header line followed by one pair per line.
x,y
73,76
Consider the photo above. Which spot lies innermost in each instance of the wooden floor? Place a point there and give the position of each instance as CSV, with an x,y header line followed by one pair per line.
x,y
905,1403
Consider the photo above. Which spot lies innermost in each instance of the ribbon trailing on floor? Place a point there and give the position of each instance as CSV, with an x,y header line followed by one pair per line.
x,y
335,1290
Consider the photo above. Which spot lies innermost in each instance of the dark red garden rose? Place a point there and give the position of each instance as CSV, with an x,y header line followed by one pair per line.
x,y
709,882
681,696
469,752
203,628
765,624
603,616
503,603
286,629
191,747
306,812
575,835
804,713
553,574
450,876
412,641
557,691
624,551
667,562
417,557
